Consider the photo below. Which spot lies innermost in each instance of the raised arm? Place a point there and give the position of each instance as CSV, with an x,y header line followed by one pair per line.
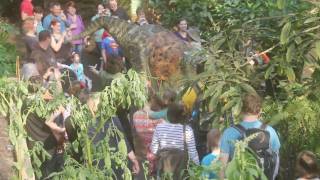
x,y
56,46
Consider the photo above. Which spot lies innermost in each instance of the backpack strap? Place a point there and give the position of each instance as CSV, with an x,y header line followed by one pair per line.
x,y
240,129
263,126
185,147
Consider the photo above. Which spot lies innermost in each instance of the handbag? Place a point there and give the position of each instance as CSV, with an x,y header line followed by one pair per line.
x,y
173,161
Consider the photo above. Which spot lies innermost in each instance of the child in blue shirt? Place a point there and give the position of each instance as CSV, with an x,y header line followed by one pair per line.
x,y
169,97
213,141
77,67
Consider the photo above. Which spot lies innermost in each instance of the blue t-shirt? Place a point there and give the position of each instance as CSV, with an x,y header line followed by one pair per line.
x,y
39,27
47,22
110,46
162,114
230,135
207,161
79,71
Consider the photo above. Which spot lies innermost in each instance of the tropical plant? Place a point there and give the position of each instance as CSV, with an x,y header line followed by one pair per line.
x,y
288,32
244,166
12,96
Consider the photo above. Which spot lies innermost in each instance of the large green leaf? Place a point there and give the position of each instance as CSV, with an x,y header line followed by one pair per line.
x,y
317,48
218,44
290,74
311,20
285,33
247,88
290,52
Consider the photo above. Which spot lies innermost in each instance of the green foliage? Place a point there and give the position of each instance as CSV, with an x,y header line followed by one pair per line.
x,y
197,12
125,91
224,90
12,96
7,50
244,166
288,32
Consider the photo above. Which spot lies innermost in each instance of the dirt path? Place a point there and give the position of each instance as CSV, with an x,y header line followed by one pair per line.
x,y
6,154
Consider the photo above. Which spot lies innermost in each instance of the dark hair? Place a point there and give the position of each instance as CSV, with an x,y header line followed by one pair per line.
x,y
155,103
52,4
83,95
213,138
102,4
44,35
71,4
252,104
176,113
38,10
75,88
54,22
181,19
306,165
114,64
35,83
169,96
74,54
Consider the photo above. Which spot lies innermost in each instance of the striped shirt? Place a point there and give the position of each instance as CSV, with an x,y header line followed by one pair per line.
x,y
144,128
168,135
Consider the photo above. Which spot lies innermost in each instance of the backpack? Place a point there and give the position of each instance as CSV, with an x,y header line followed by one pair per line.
x,y
260,147
173,161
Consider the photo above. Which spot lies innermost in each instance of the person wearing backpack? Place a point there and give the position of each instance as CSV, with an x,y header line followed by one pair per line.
x,y
265,146
173,144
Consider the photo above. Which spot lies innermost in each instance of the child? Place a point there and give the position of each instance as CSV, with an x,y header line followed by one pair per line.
x,y
213,141
77,67
169,97
141,17
38,14
307,167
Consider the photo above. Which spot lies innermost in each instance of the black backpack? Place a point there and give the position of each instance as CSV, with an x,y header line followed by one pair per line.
x,y
260,147
173,161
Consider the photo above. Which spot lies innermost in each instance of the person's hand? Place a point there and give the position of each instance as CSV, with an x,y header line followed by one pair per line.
x,y
64,34
93,69
63,17
135,166
48,73
73,26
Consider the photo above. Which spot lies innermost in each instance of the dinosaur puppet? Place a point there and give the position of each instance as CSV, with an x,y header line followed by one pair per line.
x,y
149,48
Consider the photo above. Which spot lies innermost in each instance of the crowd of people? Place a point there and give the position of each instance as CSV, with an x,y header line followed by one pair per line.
x,y
160,133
